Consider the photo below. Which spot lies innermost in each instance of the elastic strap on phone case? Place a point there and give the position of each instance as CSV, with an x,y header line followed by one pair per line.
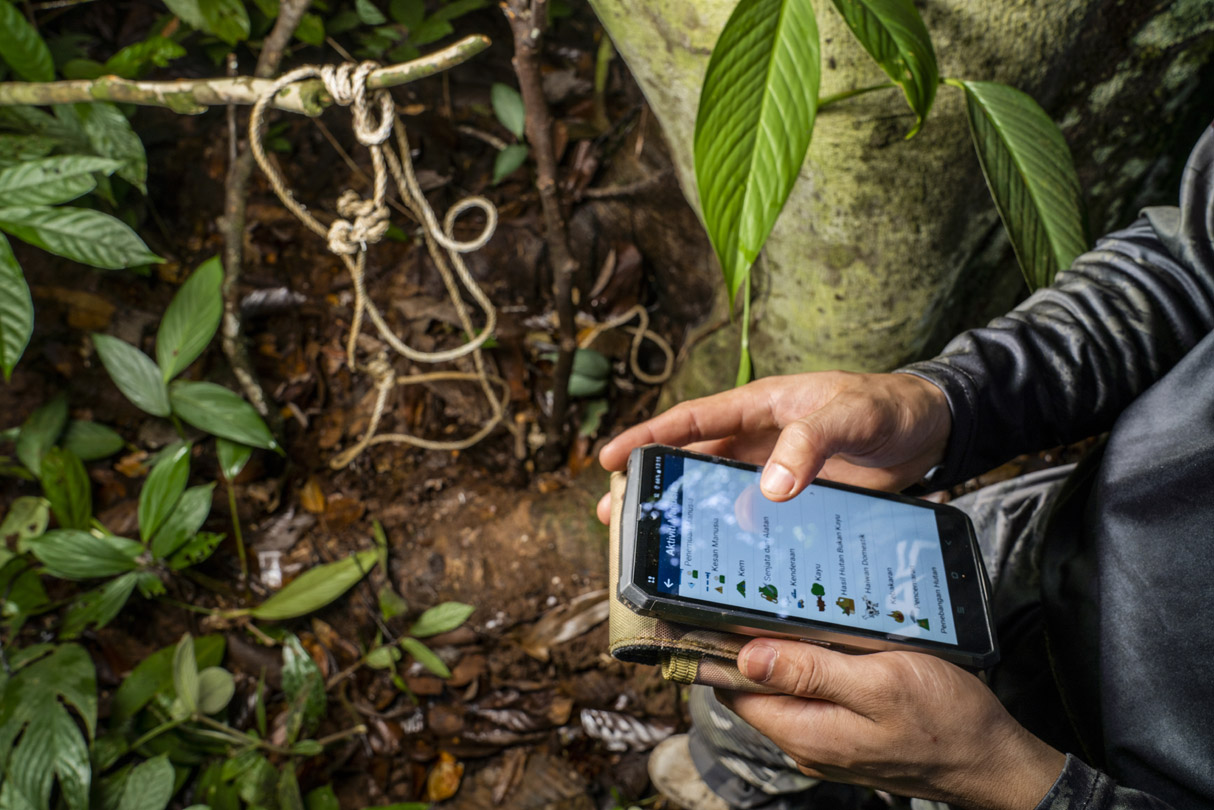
x,y
685,653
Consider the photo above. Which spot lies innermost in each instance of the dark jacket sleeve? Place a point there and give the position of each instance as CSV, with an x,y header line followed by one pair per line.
x,y
1065,363
1081,787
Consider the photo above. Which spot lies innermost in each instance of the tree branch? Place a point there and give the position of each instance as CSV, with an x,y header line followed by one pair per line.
x,y
190,96
528,19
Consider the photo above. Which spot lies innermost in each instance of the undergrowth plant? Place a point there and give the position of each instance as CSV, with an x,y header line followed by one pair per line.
x,y
756,117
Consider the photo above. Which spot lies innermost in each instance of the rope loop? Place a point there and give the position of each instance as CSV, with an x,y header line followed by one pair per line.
x,y
446,237
347,85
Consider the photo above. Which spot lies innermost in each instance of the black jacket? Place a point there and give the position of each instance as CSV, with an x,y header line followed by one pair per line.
x,y
1122,342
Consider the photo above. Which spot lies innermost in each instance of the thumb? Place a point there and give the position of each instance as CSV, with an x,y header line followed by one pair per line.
x,y
804,670
806,444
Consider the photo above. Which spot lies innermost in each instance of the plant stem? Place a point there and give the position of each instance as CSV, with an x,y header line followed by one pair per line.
x,y
744,370
239,535
191,96
156,732
834,98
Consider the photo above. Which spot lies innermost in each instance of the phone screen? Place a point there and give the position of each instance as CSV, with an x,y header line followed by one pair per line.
x,y
828,555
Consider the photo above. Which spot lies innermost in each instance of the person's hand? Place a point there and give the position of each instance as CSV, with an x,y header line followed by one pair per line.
x,y
907,723
882,431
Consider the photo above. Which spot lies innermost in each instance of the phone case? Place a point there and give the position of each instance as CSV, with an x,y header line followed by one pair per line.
x,y
685,653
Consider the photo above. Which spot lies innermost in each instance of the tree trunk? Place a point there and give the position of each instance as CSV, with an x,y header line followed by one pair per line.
x,y
886,246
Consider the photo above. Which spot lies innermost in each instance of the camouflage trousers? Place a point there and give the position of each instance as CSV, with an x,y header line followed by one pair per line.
x,y
750,772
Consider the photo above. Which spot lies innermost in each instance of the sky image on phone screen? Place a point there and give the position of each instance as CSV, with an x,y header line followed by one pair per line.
x,y
827,555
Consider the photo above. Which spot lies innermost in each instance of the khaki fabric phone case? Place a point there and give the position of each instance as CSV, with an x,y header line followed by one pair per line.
x,y
685,653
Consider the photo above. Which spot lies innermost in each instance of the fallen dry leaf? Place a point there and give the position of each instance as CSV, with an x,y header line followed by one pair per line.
x,y
311,497
444,778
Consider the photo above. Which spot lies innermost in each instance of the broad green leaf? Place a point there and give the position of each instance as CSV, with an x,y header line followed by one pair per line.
x,y
453,9
590,363
21,591
134,373
233,457
149,786
311,30
425,656
383,657
154,675
21,48
110,135
184,521
66,485
40,432
304,688
441,619
80,234
91,441
582,386
191,319
289,797
509,160
149,584
215,690
162,489
315,588
185,674
391,604
257,784
753,127
369,13
27,518
52,180
226,19
20,148
895,37
73,554
508,107
16,310
98,607
220,412
190,12
40,741
430,30
133,61
408,13
322,798
196,550
1030,175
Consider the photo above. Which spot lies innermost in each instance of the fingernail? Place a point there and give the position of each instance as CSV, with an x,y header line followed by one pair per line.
x,y
760,660
777,480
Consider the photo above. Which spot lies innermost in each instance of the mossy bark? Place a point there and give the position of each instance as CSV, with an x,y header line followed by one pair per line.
x,y
887,245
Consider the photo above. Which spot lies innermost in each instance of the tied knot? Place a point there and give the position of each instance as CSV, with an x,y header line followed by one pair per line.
x,y
380,370
362,222
347,85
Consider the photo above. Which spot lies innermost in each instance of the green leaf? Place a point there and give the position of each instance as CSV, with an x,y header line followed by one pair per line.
x,y
27,518
753,127
21,48
391,604
134,373
110,135
257,783
311,30
191,319
226,19
16,310
408,13
163,489
233,457
190,12
149,786
133,61
98,607
73,554
20,148
196,550
184,521
441,618
80,234
52,180
304,688
322,798
430,30
1030,175
40,432
425,656
91,441
21,588
369,13
66,485
215,690
582,386
185,674
383,657
590,363
220,412
289,797
509,160
39,737
895,37
592,417
508,107
455,9
154,675
315,588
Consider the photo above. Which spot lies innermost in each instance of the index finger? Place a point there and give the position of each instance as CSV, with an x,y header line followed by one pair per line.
x,y
697,420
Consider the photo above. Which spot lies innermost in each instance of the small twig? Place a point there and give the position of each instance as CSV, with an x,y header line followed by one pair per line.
x,y
485,137
354,168
626,189
528,18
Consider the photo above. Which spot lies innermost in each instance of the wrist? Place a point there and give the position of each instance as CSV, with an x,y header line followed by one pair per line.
x,y
1020,776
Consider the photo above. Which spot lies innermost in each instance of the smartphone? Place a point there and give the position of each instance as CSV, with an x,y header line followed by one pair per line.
x,y
853,569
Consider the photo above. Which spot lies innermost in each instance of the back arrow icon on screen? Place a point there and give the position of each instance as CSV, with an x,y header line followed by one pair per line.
x,y
668,584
